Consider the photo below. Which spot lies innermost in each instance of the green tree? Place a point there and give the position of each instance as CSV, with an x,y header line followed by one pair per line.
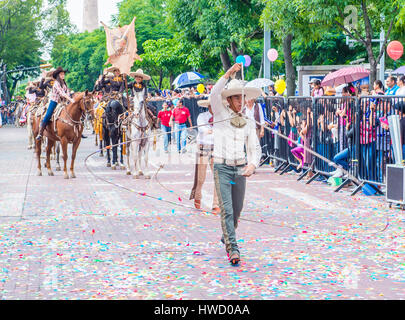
x,y
222,28
84,55
287,23
362,20
150,19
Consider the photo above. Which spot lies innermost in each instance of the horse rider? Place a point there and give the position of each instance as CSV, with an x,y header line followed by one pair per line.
x,y
138,87
59,91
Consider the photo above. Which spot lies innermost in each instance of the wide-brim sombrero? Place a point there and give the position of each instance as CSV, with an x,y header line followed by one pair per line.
x,y
237,87
139,73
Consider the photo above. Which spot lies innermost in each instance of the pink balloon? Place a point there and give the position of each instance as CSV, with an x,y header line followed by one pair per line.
x,y
248,60
272,54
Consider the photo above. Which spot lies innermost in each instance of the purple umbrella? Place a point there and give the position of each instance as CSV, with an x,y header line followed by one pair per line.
x,y
400,70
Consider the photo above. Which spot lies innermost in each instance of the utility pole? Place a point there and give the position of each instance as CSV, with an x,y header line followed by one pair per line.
x,y
267,47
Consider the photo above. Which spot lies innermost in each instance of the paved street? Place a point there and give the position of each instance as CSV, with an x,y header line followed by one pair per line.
x,y
87,239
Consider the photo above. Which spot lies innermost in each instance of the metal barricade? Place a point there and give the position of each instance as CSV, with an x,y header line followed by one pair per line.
x,y
374,140
275,147
334,132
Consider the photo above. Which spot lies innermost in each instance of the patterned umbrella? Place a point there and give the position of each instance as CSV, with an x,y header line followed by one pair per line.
x,y
345,75
187,77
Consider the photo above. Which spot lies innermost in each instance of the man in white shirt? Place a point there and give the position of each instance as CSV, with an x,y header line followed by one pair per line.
x,y
235,141
205,147
255,112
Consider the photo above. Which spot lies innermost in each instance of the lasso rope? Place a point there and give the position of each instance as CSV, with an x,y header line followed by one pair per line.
x,y
266,126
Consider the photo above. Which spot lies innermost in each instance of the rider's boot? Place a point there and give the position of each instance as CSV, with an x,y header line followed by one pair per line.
x,y
41,131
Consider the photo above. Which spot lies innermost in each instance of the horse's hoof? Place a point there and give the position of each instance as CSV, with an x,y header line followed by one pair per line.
x,y
101,154
39,174
73,176
141,173
129,173
136,176
58,169
66,176
29,147
108,165
147,177
50,173
114,167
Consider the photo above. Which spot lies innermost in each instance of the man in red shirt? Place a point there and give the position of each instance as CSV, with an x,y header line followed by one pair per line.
x,y
164,117
180,116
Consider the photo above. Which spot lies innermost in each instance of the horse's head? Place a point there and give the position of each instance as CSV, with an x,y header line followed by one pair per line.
x,y
86,102
138,107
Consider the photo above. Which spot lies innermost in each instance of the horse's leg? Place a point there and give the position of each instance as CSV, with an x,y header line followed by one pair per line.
x,y
74,150
64,145
57,156
128,157
107,145
30,134
135,151
122,152
114,141
48,156
146,159
38,148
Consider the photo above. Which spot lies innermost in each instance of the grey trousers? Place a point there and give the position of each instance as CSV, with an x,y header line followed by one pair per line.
x,y
230,186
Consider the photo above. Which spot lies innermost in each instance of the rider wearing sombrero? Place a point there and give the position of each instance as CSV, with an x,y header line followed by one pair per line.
x,y
59,91
138,86
139,90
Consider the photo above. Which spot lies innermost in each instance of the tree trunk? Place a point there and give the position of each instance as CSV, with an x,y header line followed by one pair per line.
x,y
160,79
235,53
289,67
171,81
226,62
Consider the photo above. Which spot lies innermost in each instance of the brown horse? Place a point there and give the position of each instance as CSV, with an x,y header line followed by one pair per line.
x,y
69,128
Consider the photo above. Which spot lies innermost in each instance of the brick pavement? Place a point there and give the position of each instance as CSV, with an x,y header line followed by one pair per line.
x,y
86,239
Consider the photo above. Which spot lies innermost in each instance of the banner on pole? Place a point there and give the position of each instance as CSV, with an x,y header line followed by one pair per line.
x,y
122,47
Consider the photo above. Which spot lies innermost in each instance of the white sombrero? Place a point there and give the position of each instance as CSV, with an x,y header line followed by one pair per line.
x,y
204,103
112,69
50,73
139,73
236,87
109,75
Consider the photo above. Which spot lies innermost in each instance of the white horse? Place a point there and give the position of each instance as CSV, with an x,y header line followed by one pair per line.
x,y
138,128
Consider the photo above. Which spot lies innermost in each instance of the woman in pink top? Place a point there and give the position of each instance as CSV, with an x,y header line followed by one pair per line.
x,y
59,91
318,90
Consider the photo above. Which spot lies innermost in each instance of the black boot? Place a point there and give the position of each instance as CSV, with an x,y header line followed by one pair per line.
x,y
41,132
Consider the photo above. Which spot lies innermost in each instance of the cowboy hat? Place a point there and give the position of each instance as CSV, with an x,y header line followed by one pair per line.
x,y
204,103
139,73
109,75
112,69
50,72
57,71
314,80
236,87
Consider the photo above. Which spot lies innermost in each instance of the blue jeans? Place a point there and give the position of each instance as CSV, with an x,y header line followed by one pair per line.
x,y
181,135
341,158
368,153
49,113
166,136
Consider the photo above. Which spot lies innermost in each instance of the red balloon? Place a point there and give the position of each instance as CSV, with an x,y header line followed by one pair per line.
x,y
395,50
